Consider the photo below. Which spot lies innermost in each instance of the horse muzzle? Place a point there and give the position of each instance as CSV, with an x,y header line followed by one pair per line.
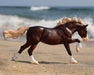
x,y
85,39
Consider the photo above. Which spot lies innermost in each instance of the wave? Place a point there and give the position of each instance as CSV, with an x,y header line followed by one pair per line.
x,y
13,22
62,8
39,8
9,21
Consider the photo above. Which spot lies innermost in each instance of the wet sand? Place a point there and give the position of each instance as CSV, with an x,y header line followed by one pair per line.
x,y
53,60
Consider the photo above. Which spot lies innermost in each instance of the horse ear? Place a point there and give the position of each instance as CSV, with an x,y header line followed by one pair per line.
x,y
84,26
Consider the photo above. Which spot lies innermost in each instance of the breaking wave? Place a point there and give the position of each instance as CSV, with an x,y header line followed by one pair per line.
x,y
14,22
40,8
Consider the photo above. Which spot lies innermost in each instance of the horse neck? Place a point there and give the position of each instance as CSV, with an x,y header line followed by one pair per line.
x,y
74,30
72,27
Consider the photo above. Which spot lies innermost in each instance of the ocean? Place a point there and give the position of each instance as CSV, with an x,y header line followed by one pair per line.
x,y
15,17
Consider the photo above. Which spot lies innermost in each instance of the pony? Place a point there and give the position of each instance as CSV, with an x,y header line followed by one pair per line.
x,y
14,33
61,34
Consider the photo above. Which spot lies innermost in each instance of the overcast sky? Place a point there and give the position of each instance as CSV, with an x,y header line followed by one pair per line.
x,y
46,2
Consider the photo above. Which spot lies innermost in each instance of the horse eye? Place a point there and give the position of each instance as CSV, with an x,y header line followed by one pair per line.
x,y
86,31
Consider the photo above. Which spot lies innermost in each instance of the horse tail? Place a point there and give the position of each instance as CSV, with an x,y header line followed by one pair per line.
x,y
14,33
22,30
4,35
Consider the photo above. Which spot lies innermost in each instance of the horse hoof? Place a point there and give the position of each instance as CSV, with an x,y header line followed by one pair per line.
x,y
77,50
36,63
12,59
74,62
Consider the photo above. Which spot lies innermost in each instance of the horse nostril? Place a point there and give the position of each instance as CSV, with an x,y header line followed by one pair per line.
x,y
85,39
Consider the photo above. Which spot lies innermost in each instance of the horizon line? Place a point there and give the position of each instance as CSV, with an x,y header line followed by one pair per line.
x,y
40,6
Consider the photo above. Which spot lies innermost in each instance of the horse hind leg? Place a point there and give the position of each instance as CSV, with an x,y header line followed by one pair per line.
x,y
30,52
22,48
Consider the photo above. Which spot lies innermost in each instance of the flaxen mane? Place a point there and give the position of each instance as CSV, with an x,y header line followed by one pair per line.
x,y
67,20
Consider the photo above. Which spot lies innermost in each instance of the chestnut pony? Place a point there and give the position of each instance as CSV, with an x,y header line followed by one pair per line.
x,y
61,34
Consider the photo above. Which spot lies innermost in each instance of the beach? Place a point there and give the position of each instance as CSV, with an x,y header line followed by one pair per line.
x,y
53,60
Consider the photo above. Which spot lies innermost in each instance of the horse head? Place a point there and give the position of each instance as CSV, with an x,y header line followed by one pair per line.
x,y
82,31
78,24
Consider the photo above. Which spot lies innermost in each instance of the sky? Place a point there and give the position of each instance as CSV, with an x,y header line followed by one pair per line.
x,y
62,2
15,2
46,2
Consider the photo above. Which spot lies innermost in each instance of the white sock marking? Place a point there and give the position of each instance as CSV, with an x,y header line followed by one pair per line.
x,y
78,46
72,60
15,56
32,59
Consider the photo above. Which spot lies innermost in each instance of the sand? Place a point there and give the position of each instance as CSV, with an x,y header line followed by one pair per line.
x,y
53,60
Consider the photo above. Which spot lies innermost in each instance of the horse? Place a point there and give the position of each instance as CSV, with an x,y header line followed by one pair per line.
x,y
61,34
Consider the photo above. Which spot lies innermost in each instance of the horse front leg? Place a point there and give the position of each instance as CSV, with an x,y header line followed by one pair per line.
x,y
72,60
78,46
